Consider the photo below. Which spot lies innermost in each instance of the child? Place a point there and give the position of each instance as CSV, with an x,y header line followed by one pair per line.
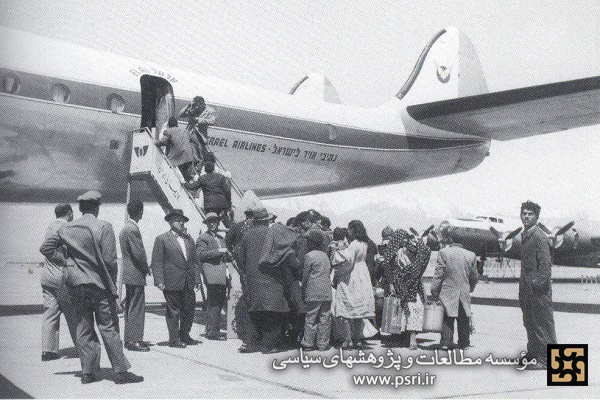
x,y
316,290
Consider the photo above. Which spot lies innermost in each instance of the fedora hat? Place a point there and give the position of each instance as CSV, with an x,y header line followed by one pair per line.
x,y
210,217
261,214
176,212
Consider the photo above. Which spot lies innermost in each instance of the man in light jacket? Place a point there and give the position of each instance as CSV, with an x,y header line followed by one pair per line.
x,y
455,277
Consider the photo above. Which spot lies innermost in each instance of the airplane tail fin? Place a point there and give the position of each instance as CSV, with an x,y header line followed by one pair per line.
x,y
447,68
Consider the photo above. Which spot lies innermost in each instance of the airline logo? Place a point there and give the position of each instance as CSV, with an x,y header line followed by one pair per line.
x,y
140,151
443,72
567,365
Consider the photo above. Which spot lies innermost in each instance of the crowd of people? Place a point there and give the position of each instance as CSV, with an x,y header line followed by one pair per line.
x,y
304,284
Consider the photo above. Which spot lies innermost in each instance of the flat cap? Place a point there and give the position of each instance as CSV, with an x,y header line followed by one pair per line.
x,y
90,195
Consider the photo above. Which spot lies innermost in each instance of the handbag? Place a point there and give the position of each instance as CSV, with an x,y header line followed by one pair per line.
x,y
392,321
368,330
434,317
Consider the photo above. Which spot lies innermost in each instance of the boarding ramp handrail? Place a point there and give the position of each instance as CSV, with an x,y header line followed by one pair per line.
x,y
236,188
149,163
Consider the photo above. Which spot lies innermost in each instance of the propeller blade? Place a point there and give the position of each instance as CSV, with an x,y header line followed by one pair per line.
x,y
495,232
414,231
545,229
565,228
513,233
426,232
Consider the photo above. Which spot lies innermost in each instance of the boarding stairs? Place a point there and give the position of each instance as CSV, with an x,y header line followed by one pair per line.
x,y
150,164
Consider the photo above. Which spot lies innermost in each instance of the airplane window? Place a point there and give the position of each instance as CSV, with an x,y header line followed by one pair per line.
x,y
331,132
493,219
500,220
115,103
60,93
10,84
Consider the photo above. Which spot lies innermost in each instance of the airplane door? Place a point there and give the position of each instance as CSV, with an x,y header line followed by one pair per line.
x,y
165,108
158,102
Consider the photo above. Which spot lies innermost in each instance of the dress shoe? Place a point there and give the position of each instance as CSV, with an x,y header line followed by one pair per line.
x,y
215,337
178,344
127,377
88,378
249,348
49,356
190,342
136,346
270,350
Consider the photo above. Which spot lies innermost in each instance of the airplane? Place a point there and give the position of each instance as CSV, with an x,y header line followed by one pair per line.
x,y
496,236
67,111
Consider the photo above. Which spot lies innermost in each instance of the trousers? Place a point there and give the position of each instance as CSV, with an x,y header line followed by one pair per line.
x,y
215,297
57,302
463,328
317,324
135,313
180,312
538,319
91,303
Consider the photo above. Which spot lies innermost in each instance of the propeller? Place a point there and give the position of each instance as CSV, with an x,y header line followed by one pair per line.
x,y
554,237
423,234
504,239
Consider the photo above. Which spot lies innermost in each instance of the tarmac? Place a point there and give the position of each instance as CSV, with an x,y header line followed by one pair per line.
x,y
216,370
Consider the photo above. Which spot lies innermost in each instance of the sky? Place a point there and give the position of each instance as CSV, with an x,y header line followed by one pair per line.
x,y
367,49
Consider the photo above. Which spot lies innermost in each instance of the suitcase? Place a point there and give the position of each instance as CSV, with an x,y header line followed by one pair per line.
x,y
434,317
392,321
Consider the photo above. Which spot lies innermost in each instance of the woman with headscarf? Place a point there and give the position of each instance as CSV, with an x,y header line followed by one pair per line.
x,y
353,300
405,260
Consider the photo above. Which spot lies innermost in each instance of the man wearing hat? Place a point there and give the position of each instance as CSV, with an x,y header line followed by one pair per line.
x,y
267,304
212,254
176,273
91,275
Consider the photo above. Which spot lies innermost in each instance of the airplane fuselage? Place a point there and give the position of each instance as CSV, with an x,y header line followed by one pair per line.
x,y
64,128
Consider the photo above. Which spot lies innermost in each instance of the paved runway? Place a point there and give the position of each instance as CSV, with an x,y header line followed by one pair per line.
x,y
215,369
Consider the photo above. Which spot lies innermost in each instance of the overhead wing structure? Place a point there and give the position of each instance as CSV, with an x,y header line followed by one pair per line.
x,y
518,113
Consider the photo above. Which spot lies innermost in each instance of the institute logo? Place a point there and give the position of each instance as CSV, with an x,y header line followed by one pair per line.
x,y
567,364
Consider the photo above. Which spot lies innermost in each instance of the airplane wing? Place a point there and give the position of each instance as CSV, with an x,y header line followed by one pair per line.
x,y
518,113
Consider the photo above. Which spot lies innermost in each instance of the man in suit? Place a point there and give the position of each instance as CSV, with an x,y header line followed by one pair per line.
x,y
216,191
176,273
454,278
267,303
535,287
135,268
179,147
56,294
212,255
91,275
